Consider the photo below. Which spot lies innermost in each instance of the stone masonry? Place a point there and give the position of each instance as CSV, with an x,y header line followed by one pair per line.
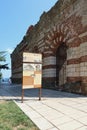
x,y
61,36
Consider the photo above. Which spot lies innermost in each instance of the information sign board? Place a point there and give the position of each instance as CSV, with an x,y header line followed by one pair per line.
x,y
32,70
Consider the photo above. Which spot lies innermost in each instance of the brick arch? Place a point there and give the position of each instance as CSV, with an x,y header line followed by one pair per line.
x,y
56,42
62,34
57,35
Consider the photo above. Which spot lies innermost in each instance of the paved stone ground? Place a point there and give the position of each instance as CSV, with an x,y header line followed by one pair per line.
x,y
56,110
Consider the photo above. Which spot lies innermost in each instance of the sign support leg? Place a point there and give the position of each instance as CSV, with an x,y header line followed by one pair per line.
x,y
39,93
22,95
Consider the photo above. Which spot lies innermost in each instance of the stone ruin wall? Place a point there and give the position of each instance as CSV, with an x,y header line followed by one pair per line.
x,y
64,26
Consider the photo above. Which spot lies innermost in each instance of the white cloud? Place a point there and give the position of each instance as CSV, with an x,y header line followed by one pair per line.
x,y
9,50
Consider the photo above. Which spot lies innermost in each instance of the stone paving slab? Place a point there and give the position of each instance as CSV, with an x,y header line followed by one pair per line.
x,y
56,110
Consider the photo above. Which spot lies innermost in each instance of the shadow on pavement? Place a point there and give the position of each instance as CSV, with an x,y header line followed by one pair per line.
x,y
12,91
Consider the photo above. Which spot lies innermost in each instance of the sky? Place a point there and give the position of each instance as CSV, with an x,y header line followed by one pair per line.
x,y
15,18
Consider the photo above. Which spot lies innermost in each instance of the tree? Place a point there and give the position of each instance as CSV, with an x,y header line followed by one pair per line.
x,y
5,66
2,56
0,75
3,59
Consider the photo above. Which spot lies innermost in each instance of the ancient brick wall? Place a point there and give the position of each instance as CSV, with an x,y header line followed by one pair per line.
x,y
61,36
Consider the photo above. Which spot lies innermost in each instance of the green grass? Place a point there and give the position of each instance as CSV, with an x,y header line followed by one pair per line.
x,y
12,118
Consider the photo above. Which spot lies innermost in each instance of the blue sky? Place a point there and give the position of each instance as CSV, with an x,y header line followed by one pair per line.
x,y
15,18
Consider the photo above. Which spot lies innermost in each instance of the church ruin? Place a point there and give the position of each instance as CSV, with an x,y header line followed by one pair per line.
x,y
61,37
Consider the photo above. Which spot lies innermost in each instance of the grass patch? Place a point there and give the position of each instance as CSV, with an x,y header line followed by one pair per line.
x,y
12,118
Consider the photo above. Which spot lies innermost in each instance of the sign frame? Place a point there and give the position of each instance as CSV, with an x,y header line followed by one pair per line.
x,y
32,71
